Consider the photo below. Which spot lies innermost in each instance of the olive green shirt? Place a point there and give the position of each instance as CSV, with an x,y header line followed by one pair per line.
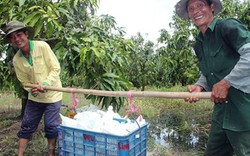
x,y
42,66
221,56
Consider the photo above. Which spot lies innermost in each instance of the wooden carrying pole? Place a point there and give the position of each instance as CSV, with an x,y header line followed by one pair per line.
x,y
154,94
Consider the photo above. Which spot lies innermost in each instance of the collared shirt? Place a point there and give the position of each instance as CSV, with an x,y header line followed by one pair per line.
x,y
240,75
223,53
29,60
41,66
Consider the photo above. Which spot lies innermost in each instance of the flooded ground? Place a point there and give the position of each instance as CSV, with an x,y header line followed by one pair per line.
x,y
180,130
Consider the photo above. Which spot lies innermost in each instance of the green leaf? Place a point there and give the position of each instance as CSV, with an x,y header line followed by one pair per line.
x,y
34,7
106,102
105,86
21,2
66,13
75,3
86,39
38,27
43,11
57,24
35,19
83,54
109,81
110,75
77,49
97,53
49,29
30,17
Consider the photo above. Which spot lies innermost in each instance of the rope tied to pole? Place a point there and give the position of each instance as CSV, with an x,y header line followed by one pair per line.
x,y
72,112
75,100
133,108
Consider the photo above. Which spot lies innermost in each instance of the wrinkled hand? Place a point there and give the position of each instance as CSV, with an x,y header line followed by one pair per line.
x,y
220,91
193,88
38,88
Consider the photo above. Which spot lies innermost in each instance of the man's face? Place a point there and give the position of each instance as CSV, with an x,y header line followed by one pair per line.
x,y
200,12
19,39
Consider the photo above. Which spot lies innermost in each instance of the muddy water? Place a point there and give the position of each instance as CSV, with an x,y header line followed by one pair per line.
x,y
180,131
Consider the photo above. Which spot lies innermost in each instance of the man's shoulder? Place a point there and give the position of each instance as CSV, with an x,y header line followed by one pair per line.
x,y
228,22
36,42
40,44
17,55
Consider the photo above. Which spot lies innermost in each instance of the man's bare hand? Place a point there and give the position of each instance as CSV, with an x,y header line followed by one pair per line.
x,y
193,88
38,88
220,91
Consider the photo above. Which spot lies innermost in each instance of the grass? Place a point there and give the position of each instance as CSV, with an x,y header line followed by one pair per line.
x,y
6,123
155,110
9,101
152,107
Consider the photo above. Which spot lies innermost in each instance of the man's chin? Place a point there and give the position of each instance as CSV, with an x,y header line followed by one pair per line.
x,y
19,46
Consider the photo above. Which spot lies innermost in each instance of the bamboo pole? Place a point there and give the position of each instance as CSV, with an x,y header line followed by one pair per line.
x,y
154,94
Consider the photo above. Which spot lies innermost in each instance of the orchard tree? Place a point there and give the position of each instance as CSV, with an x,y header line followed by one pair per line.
x,y
104,58
236,9
86,46
179,60
141,62
162,61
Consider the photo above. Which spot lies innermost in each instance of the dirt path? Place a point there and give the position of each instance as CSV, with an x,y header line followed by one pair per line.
x,y
9,141
11,130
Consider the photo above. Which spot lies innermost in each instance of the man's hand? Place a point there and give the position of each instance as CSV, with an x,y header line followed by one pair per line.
x,y
220,91
34,91
193,88
38,88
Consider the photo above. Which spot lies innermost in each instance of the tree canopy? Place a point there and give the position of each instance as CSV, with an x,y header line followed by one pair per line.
x,y
94,53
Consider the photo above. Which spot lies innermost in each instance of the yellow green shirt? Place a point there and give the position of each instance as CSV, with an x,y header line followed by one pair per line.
x,y
42,66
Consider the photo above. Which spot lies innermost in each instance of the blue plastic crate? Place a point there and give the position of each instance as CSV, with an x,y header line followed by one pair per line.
x,y
77,142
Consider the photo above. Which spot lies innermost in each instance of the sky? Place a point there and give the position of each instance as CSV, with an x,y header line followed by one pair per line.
x,y
144,16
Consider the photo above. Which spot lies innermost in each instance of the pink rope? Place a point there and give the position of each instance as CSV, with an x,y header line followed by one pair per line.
x,y
75,100
133,108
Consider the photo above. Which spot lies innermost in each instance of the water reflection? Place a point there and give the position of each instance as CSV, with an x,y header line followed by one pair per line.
x,y
178,130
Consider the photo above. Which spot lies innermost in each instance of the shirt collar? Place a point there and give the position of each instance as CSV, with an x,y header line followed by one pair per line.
x,y
211,27
30,61
31,44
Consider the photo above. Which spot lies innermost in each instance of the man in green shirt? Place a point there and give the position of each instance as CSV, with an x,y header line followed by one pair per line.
x,y
36,63
223,51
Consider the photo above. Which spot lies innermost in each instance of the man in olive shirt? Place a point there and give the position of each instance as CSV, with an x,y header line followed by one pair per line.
x,y
36,63
223,51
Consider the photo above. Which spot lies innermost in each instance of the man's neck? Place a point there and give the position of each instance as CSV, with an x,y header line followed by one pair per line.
x,y
26,51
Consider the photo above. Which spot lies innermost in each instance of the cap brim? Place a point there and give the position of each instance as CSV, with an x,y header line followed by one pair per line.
x,y
217,6
181,9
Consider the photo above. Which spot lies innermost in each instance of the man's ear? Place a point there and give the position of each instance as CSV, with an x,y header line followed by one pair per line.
x,y
212,7
26,33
